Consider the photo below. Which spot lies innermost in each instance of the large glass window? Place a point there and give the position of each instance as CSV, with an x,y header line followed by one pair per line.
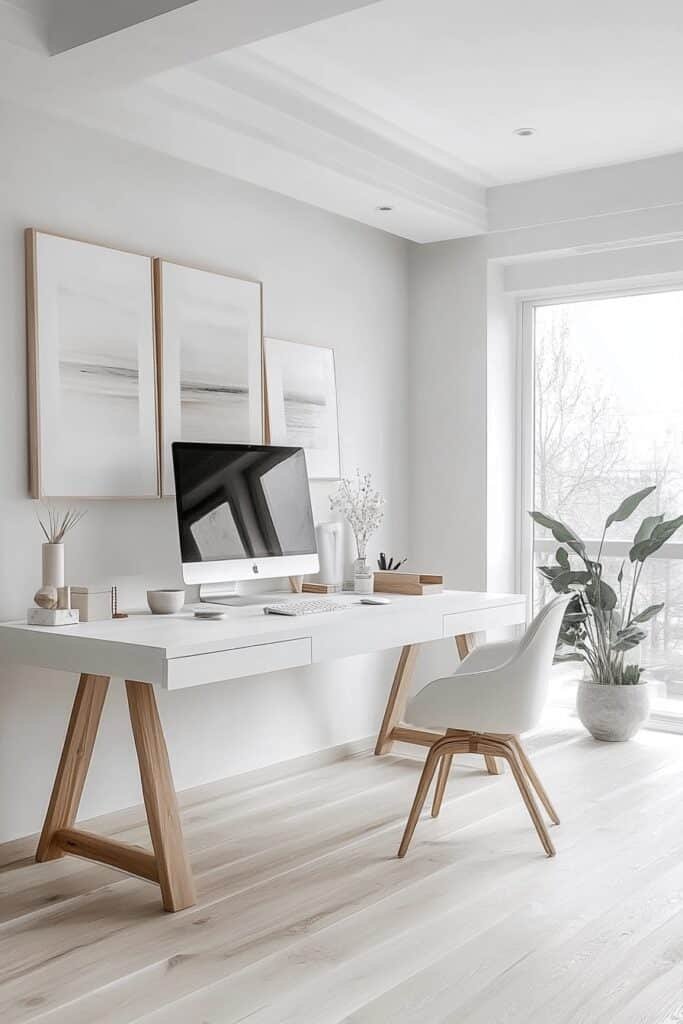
x,y
607,421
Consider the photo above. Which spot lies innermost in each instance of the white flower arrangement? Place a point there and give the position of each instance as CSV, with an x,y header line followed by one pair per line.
x,y
361,506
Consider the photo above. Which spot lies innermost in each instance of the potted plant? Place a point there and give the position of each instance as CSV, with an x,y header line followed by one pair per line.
x,y
602,625
362,507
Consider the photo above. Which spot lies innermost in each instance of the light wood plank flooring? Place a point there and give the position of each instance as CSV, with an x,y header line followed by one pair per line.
x,y
305,915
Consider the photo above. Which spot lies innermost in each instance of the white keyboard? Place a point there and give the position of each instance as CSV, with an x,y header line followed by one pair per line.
x,y
307,607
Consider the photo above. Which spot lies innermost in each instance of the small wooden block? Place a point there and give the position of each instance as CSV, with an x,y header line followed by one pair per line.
x,y
52,616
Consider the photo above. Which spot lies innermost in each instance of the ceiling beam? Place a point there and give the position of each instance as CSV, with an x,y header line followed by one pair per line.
x,y
98,45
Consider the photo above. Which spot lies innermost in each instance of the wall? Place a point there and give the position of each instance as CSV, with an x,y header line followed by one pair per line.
x,y
327,281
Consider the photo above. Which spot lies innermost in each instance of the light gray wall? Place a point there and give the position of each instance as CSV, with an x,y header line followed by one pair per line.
x,y
327,281
448,402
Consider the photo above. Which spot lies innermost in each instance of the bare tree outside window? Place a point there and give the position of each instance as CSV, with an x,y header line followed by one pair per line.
x,y
608,422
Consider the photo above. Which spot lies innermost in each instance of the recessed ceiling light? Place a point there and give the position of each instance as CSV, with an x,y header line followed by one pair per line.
x,y
524,131
384,209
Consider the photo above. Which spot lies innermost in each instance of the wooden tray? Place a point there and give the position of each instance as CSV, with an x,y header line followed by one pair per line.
x,y
416,583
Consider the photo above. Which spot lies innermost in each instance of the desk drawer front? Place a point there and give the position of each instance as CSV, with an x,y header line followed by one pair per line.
x,y
483,619
234,664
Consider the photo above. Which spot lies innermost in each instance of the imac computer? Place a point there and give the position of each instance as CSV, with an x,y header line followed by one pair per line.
x,y
244,513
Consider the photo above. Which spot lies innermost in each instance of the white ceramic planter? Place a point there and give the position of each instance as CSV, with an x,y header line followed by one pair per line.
x,y
612,713
53,565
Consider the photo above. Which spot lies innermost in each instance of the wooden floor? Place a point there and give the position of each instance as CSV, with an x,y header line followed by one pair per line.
x,y
305,916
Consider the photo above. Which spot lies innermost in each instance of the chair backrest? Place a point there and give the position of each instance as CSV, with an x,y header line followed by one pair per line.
x,y
534,658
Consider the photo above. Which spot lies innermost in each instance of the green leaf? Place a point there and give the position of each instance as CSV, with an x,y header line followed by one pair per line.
x,y
627,643
602,596
661,533
550,571
649,613
620,574
665,531
628,506
564,580
560,531
646,527
562,558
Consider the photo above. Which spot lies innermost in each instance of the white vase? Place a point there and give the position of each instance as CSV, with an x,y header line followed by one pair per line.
x,y
363,577
329,537
53,565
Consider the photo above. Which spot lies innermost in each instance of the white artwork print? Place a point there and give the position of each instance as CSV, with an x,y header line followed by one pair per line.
x,y
96,405
302,403
210,359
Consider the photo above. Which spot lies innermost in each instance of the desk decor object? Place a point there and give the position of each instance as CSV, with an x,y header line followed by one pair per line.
x,y
302,403
93,600
362,506
602,626
387,563
330,541
321,588
210,356
53,599
165,602
416,583
91,370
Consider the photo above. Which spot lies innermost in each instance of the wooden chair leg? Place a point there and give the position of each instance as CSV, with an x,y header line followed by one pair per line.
x,y
492,766
74,763
420,796
441,783
509,752
535,781
175,877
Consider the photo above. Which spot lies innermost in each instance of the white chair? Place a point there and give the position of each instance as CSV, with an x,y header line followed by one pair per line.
x,y
496,693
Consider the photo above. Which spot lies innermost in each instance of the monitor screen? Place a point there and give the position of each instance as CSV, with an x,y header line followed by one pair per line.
x,y
238,501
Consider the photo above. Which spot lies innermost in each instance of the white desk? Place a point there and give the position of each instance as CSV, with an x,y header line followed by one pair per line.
x,y
180,651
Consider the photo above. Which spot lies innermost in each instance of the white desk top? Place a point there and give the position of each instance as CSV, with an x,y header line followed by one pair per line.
x,y
141,646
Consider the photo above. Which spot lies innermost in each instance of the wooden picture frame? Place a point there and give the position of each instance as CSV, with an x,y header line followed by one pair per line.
x,y
209,327
91,370
301,401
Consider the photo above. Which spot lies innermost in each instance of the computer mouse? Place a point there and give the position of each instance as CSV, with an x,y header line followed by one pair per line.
x,y
374,599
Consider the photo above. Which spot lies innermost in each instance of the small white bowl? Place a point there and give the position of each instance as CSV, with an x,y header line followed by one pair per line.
x,y
165,602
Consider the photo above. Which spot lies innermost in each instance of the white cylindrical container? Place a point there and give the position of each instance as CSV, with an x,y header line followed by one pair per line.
x,y
330,539
53,565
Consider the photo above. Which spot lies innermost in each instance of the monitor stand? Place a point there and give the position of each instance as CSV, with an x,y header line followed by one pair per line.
x,y
227,594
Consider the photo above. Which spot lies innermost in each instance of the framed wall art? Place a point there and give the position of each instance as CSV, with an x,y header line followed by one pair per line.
x,y
210,357
91,370
302,403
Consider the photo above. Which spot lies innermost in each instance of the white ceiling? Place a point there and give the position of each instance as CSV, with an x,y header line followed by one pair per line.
x,y
354,104
600,80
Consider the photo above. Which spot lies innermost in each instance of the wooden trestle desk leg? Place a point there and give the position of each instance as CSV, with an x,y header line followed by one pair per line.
x,y
161,804
168,865
398,698
73,764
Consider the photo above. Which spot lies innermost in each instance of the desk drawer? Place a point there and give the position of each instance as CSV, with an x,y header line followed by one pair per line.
x,y
241,661
484,618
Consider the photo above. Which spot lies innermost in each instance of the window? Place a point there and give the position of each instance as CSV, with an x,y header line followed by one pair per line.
x,y
604,418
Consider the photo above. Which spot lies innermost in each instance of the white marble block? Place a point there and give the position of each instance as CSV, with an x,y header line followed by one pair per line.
x,y
52,616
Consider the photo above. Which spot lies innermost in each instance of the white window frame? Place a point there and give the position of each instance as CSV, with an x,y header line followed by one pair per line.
x,y
526,547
